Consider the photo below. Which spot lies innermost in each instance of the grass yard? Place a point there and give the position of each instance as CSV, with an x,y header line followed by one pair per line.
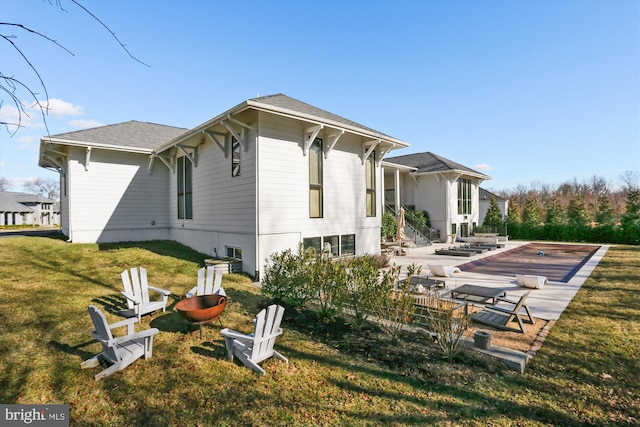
x,y
587,372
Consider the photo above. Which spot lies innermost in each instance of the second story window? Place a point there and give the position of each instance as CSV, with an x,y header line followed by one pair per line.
x,y
371,184
235,157
185,188
464,197
315,179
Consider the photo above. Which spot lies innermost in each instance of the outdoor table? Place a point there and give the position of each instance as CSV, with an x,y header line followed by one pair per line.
x,y
426,282
475,293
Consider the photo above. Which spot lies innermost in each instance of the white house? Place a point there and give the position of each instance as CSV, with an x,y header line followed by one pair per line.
x,y
446,190
485,197
28,209
262,177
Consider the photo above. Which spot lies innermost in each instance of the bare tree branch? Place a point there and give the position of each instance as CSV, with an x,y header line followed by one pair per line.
x,y
109,29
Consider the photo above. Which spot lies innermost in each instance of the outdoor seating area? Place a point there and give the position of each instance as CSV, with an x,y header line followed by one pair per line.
x,y
202,304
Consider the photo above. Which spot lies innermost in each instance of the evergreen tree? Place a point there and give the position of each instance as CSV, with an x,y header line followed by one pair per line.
x,y
632,215
576,212
493,218
605,215
531,214
513,213
555,212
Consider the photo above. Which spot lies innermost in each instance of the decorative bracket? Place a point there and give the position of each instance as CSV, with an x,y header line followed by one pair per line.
x,y
193,156
168,161
87,159
367,149
332,141
213,135
242,137
310,135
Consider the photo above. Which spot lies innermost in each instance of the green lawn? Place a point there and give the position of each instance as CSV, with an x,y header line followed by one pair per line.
x,y
587,372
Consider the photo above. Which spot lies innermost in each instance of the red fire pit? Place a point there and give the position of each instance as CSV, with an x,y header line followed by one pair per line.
x,y
202,309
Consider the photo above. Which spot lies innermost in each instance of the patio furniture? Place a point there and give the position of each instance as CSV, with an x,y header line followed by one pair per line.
x,y
254,348
209,283
479,294
443,270
426,283
454,252
531,281
500,317
119,352
136,290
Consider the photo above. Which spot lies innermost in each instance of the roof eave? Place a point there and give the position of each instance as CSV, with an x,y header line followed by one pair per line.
x,y
85,144
258,106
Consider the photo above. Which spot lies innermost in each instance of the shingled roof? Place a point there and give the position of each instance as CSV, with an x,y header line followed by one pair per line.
x,y
287,103
133,134
429,162
9,202
286,106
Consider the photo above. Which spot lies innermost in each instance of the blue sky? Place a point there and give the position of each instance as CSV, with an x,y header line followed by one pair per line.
x,y
524,91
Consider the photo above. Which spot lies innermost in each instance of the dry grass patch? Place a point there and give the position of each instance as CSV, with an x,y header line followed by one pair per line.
x,y
586,372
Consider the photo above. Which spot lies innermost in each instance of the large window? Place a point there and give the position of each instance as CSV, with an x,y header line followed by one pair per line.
x,y
315,179
185,188
235,157
371,184
334,246
464,197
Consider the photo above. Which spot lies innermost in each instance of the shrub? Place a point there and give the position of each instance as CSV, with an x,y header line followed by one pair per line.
x,y
362,287
394,304
327,278
388,225
450,325
286,278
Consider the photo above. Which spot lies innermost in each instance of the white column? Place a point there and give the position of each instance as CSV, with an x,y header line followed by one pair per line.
x,y
397,190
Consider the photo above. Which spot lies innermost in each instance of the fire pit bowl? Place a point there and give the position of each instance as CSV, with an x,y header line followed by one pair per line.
x,y
204,308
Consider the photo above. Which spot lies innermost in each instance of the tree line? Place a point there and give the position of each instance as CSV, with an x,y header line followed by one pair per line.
x,y
589,211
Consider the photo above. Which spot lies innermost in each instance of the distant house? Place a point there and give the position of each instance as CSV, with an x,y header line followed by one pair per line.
x,y
261,177
446,190
485,202
28,209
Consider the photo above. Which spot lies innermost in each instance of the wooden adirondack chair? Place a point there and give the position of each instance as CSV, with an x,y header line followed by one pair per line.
x,y
136,290
119,352
254,348
209,283
500,317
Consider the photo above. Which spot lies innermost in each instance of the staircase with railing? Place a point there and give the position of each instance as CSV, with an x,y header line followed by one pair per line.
x,y
417,229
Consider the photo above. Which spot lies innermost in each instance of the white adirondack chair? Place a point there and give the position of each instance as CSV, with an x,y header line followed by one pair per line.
x,y
136,290
209,283
254,348
119,352
443,270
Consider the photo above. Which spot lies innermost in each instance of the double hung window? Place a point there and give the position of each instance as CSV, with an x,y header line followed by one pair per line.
x,y
315,179
464,197
371,184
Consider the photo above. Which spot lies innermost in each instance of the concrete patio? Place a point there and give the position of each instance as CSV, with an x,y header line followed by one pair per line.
x,y
547,303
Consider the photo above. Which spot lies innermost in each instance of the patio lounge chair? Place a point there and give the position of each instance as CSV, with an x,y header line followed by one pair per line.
x,y
209,283
500,317
254,348
443,270
119,352
531,281
136,290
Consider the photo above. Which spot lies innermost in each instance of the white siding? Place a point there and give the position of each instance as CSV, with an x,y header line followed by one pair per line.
x,y
114,198
223,206
284,190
